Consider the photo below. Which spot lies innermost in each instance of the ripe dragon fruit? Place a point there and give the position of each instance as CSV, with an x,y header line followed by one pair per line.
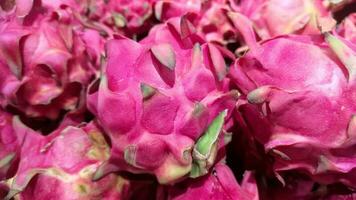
x,y
9,146
219,184
209,18
127,17
46,67
23,8
164,10
298,186
61,165
276,17
347,29
3,190
156,99
300,96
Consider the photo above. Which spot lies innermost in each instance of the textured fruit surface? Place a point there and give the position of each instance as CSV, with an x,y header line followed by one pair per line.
x,y
158,102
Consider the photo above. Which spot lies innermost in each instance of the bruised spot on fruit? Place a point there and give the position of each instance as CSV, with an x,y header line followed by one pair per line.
x,y
99,149
97,139
58,173
82,188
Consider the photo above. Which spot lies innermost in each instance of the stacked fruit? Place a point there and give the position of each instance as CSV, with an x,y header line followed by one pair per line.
x,y
186,99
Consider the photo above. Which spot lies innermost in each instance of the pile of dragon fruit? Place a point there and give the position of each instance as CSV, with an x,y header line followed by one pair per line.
x,y
177,99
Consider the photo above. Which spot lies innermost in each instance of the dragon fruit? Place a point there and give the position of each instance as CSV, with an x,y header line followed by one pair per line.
x,y
46,67
300,103
9,146
4,189
131,18
337,5
298,186
347,29
219,184
61,165
276,17
163,102
210,19
164,10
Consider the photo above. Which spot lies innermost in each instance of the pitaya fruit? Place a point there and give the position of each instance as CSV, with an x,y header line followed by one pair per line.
x,y
347,28
131,18
47,66
338,5
163,102
276,17
4,189
164,10
297,186
61,165
10,144
300,103
219,184
208,18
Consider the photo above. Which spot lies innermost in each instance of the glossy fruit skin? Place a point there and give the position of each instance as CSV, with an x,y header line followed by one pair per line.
x,y
158,102
298,101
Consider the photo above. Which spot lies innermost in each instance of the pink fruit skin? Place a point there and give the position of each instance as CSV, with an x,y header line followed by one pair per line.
x,y
209,18
9,146
46,187
61,165
300,103
130,18
276,17
219,184
347,28
186,89
47,65
3,190
164,10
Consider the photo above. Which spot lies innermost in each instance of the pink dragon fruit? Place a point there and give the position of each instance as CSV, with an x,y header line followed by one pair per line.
x,y
337,5
347,29
3,190
61,165
209,18
28,10
164,10
46,66
276,17
297,186
156,99
9,146
219,184
127,17
300,103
